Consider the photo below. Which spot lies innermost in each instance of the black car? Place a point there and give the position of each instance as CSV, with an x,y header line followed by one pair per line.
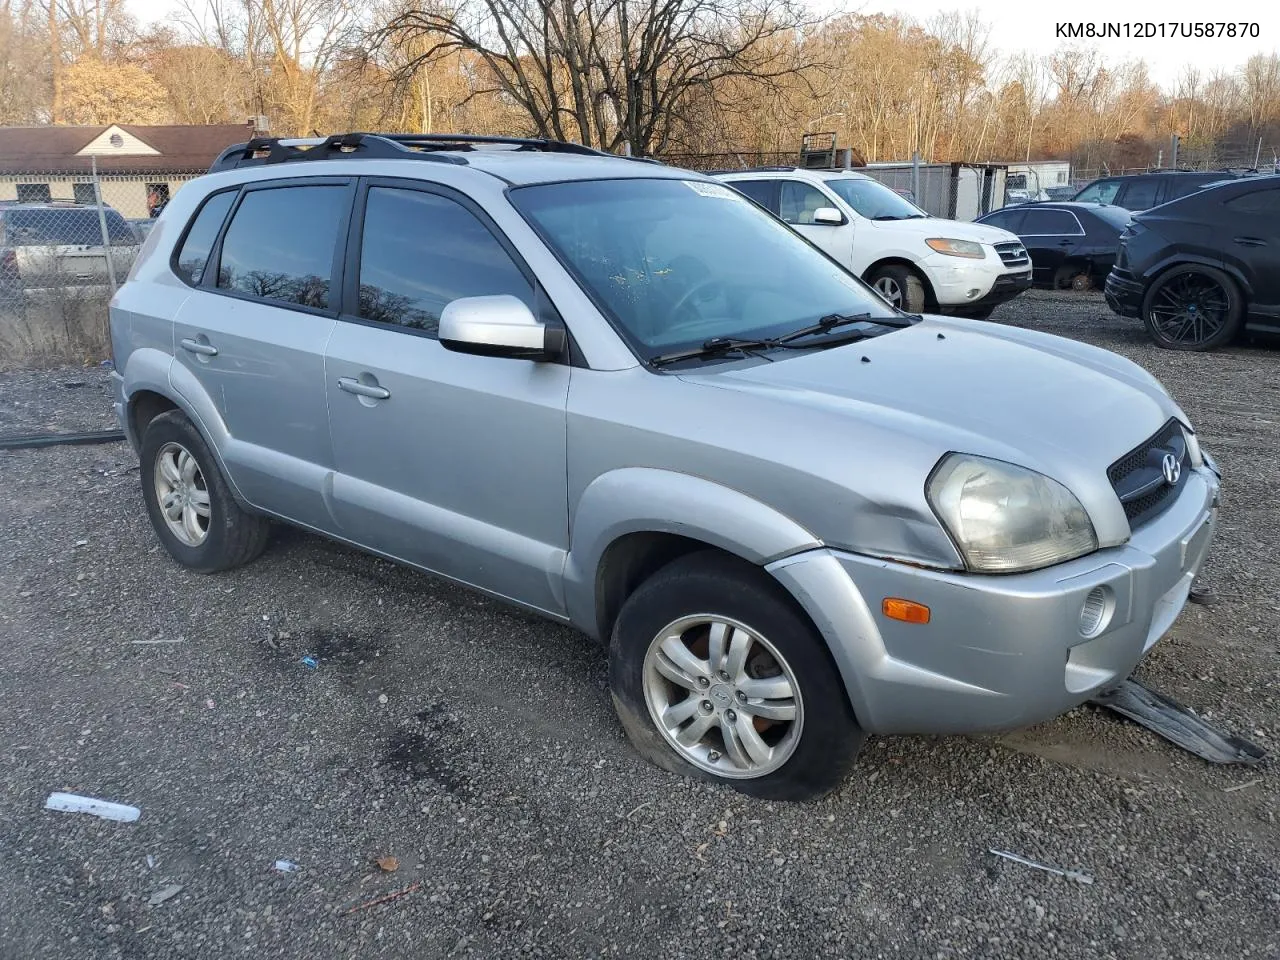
x,y
1203,268
1142,191
1071,244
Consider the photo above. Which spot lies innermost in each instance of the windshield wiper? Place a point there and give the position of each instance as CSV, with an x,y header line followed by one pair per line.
x,y
714,347
833,321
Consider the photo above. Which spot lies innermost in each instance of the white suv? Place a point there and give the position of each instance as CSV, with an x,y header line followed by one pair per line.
x,y
915,261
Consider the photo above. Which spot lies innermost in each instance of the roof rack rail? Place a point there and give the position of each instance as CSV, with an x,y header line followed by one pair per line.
x,y
754,170
439,147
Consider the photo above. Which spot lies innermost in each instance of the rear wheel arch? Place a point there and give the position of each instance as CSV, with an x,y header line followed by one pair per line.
x,y
144,406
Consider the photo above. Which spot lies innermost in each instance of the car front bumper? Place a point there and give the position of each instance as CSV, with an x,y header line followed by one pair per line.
x,y
959,284
1123,293
1000,652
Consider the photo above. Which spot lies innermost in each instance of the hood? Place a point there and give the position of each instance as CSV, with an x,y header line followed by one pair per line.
x,y
1059,407
952,229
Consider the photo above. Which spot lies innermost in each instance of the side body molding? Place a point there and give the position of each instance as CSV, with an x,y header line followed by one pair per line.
x,y
646,500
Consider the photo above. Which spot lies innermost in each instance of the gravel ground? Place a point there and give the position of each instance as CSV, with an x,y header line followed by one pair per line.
x,y
478,747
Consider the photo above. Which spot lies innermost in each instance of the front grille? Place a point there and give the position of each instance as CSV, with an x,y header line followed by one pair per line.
x,y
1138,477
1013,254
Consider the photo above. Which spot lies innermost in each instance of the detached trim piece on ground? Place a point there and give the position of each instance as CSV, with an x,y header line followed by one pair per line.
x,y
60,439
1177,724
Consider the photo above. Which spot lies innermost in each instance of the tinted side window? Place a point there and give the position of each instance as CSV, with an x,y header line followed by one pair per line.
x,y
761,191
799,201
1004,219
194,252
1140,194
1049,223
280,244
421,250
1256,202
1104,191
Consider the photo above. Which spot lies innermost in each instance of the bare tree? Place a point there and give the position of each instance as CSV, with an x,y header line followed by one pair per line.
x,y
287,46
612,72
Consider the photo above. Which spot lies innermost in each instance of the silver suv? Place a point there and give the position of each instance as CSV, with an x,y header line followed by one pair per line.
x,y
625,397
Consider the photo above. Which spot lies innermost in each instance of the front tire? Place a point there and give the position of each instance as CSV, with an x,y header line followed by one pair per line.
x,y
717,674
190,504
1193,307
900,286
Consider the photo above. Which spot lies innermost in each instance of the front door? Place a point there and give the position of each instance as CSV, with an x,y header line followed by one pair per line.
x,y
252,334
453,462
797,203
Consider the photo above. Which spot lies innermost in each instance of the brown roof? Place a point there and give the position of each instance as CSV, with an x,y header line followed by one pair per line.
x,y
53,150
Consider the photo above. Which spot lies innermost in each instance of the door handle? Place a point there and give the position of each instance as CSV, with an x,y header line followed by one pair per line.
x,y
1250,241
351,385
1065,243
195,346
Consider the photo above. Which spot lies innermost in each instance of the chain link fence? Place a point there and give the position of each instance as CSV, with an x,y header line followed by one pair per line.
x,y
67,241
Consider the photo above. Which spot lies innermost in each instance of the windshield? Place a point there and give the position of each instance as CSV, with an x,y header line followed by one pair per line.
x,y
674,263
873,200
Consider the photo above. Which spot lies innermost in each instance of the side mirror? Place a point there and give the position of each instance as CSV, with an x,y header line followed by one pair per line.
x,y
498,326
828,215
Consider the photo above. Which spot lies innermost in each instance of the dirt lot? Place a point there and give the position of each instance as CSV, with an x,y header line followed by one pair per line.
x,y
478,747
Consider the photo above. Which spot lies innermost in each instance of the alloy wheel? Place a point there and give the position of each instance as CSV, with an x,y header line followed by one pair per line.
x,y
888,288
182,494
1189,308
723,696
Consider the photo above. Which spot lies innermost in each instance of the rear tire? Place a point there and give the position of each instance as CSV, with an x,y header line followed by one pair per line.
x,y
190,504
780,727
900,286
1193,307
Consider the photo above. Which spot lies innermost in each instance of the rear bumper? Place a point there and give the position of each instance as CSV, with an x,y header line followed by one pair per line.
x,y
1124,293
1000,652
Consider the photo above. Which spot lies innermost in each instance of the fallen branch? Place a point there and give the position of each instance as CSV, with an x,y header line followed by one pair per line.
x,y
387,899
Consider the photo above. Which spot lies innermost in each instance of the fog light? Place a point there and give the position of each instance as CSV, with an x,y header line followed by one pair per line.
x,y
1096,611
973,293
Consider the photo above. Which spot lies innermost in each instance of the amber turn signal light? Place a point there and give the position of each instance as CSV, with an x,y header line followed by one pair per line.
x,y
908,611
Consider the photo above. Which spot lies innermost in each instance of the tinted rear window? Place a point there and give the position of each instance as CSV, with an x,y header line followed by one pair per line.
x,y
64,227
1040,222
195,249
281,242
761,191
1140,194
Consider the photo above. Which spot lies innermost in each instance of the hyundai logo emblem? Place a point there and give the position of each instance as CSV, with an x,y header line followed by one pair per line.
x,y
1171,469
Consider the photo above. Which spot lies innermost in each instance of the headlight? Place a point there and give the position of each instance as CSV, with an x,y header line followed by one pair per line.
x,y
1005,518
957,248
1194,454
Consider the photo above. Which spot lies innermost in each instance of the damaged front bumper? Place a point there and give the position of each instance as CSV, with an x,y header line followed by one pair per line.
x,y
1001,652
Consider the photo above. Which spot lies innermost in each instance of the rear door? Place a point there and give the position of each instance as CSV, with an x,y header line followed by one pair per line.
x,y
1051,238
253,332
1251,244
451,461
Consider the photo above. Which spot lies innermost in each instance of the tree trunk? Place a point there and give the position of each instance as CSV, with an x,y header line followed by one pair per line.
x,y
55,62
